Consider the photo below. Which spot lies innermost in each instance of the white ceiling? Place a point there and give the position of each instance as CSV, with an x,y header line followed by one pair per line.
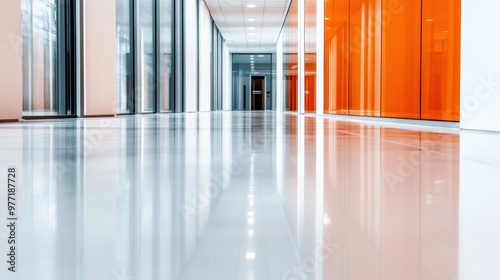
x,y
234,20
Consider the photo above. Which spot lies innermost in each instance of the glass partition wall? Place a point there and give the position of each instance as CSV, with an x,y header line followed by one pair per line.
x,y
249,72
48,30
393,59
144,56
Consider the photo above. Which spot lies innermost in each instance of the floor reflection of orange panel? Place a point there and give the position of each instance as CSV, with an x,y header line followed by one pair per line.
x,y
310,93
336,200
439,202
401,58
441,60
364,229
336,59
400,204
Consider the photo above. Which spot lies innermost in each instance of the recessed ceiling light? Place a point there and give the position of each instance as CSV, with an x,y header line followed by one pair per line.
x,y
327,18
251,34
251,28
251,19
251,40
260,55
251,6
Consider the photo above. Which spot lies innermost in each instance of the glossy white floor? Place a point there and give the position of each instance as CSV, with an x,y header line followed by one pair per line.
x,y
249,196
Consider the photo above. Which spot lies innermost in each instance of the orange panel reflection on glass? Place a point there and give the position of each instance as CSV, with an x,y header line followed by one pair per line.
x,y
441,60
401,21
364,57
336,61
390,203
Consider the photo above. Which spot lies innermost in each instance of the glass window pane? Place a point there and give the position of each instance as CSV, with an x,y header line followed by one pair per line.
x,y
165,37
125,97
145,59
42,96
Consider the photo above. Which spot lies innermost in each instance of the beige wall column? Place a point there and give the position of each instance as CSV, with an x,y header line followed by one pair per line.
x,y
11,72
99,58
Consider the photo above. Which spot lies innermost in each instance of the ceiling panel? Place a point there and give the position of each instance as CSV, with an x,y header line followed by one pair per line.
x,y
245,28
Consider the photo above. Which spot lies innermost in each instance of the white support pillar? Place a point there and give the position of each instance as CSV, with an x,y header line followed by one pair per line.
x,y
480,74
279,74
301,57
99,58
320,55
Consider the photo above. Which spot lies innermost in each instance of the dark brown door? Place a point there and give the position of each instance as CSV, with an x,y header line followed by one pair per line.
x,y
258,93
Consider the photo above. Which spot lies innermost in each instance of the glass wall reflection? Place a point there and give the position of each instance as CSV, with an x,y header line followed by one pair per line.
x,y
126,197
389,205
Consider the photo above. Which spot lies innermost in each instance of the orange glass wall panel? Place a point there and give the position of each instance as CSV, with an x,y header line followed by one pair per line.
x,y
310,56
441,59
364,57
401,27
336,61
310,93
291,86
440,179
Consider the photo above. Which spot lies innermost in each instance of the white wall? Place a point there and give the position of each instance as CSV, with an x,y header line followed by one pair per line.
x,y
191,57
99,58
205,69
480,78
11,73
478,225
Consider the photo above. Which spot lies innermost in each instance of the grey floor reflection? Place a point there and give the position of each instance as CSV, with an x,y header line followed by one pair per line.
x,y
241,195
